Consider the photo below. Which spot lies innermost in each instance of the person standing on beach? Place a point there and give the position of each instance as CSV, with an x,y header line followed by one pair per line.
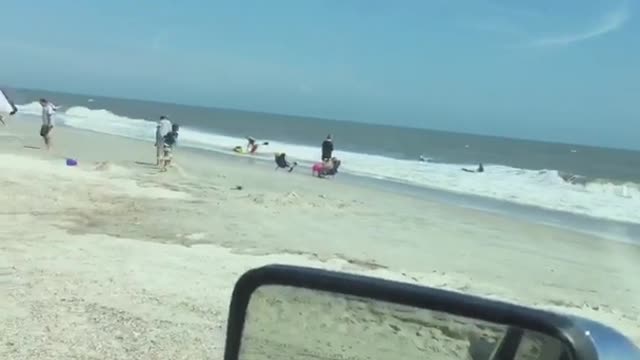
x,y
48,110
327,149
169,141
162,129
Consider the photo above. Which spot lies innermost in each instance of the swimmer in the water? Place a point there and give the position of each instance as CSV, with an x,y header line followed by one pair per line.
x,y
423,158
480,169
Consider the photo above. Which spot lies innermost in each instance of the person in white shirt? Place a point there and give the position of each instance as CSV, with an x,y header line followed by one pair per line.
x,y
162,129
48,111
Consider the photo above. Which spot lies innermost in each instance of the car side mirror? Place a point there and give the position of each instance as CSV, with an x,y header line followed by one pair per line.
x,y
285,312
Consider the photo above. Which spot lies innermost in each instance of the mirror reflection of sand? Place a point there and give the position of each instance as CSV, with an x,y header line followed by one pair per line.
x,y
303,324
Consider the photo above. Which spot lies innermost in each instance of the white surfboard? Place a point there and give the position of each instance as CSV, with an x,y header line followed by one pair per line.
x,y
6,105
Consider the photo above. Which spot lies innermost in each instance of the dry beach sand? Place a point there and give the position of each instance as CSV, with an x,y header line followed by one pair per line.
x,y
114,260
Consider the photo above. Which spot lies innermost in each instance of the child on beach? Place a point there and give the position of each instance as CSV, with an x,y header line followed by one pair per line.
x,y
252,145
283,163
169,141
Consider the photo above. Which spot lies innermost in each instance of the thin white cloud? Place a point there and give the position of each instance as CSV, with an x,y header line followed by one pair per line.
x,y
611,22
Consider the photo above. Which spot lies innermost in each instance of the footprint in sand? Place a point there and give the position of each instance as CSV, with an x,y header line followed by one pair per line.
x,y
103,166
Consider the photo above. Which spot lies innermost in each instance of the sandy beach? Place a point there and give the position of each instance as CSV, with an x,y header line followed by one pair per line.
x,y
114,260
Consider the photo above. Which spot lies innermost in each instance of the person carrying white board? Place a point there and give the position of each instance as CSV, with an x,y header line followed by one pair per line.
x,y
7,107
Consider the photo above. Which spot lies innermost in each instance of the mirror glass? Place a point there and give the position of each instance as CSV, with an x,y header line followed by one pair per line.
x,y
296,323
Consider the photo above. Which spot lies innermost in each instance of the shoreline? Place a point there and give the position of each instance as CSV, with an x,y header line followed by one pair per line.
x,y
537,177
608,229
625,232
113,255
628,233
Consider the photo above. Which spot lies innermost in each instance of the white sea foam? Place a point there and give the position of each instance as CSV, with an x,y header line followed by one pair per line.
x,y
541,188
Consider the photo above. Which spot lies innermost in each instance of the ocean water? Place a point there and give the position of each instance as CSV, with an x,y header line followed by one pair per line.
x,y
588,181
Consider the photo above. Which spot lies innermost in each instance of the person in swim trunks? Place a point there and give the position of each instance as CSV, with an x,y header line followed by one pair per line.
x,y
48,110
169,142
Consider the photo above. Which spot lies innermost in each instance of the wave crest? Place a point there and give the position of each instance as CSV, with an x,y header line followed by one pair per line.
x,y
550,189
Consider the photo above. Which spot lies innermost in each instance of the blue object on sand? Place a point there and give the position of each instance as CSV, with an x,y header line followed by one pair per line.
x,y
72,162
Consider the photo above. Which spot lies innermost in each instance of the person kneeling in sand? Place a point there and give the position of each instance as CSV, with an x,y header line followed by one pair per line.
x,y
327,168
169,141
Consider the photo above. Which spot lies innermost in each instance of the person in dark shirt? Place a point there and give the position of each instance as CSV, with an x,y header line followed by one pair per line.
x,y
327,148
170,140
282,163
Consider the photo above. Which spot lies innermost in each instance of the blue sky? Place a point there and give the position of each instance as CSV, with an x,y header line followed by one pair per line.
x,y
546,69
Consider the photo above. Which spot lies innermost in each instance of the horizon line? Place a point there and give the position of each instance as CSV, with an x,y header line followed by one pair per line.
x,y
349,121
